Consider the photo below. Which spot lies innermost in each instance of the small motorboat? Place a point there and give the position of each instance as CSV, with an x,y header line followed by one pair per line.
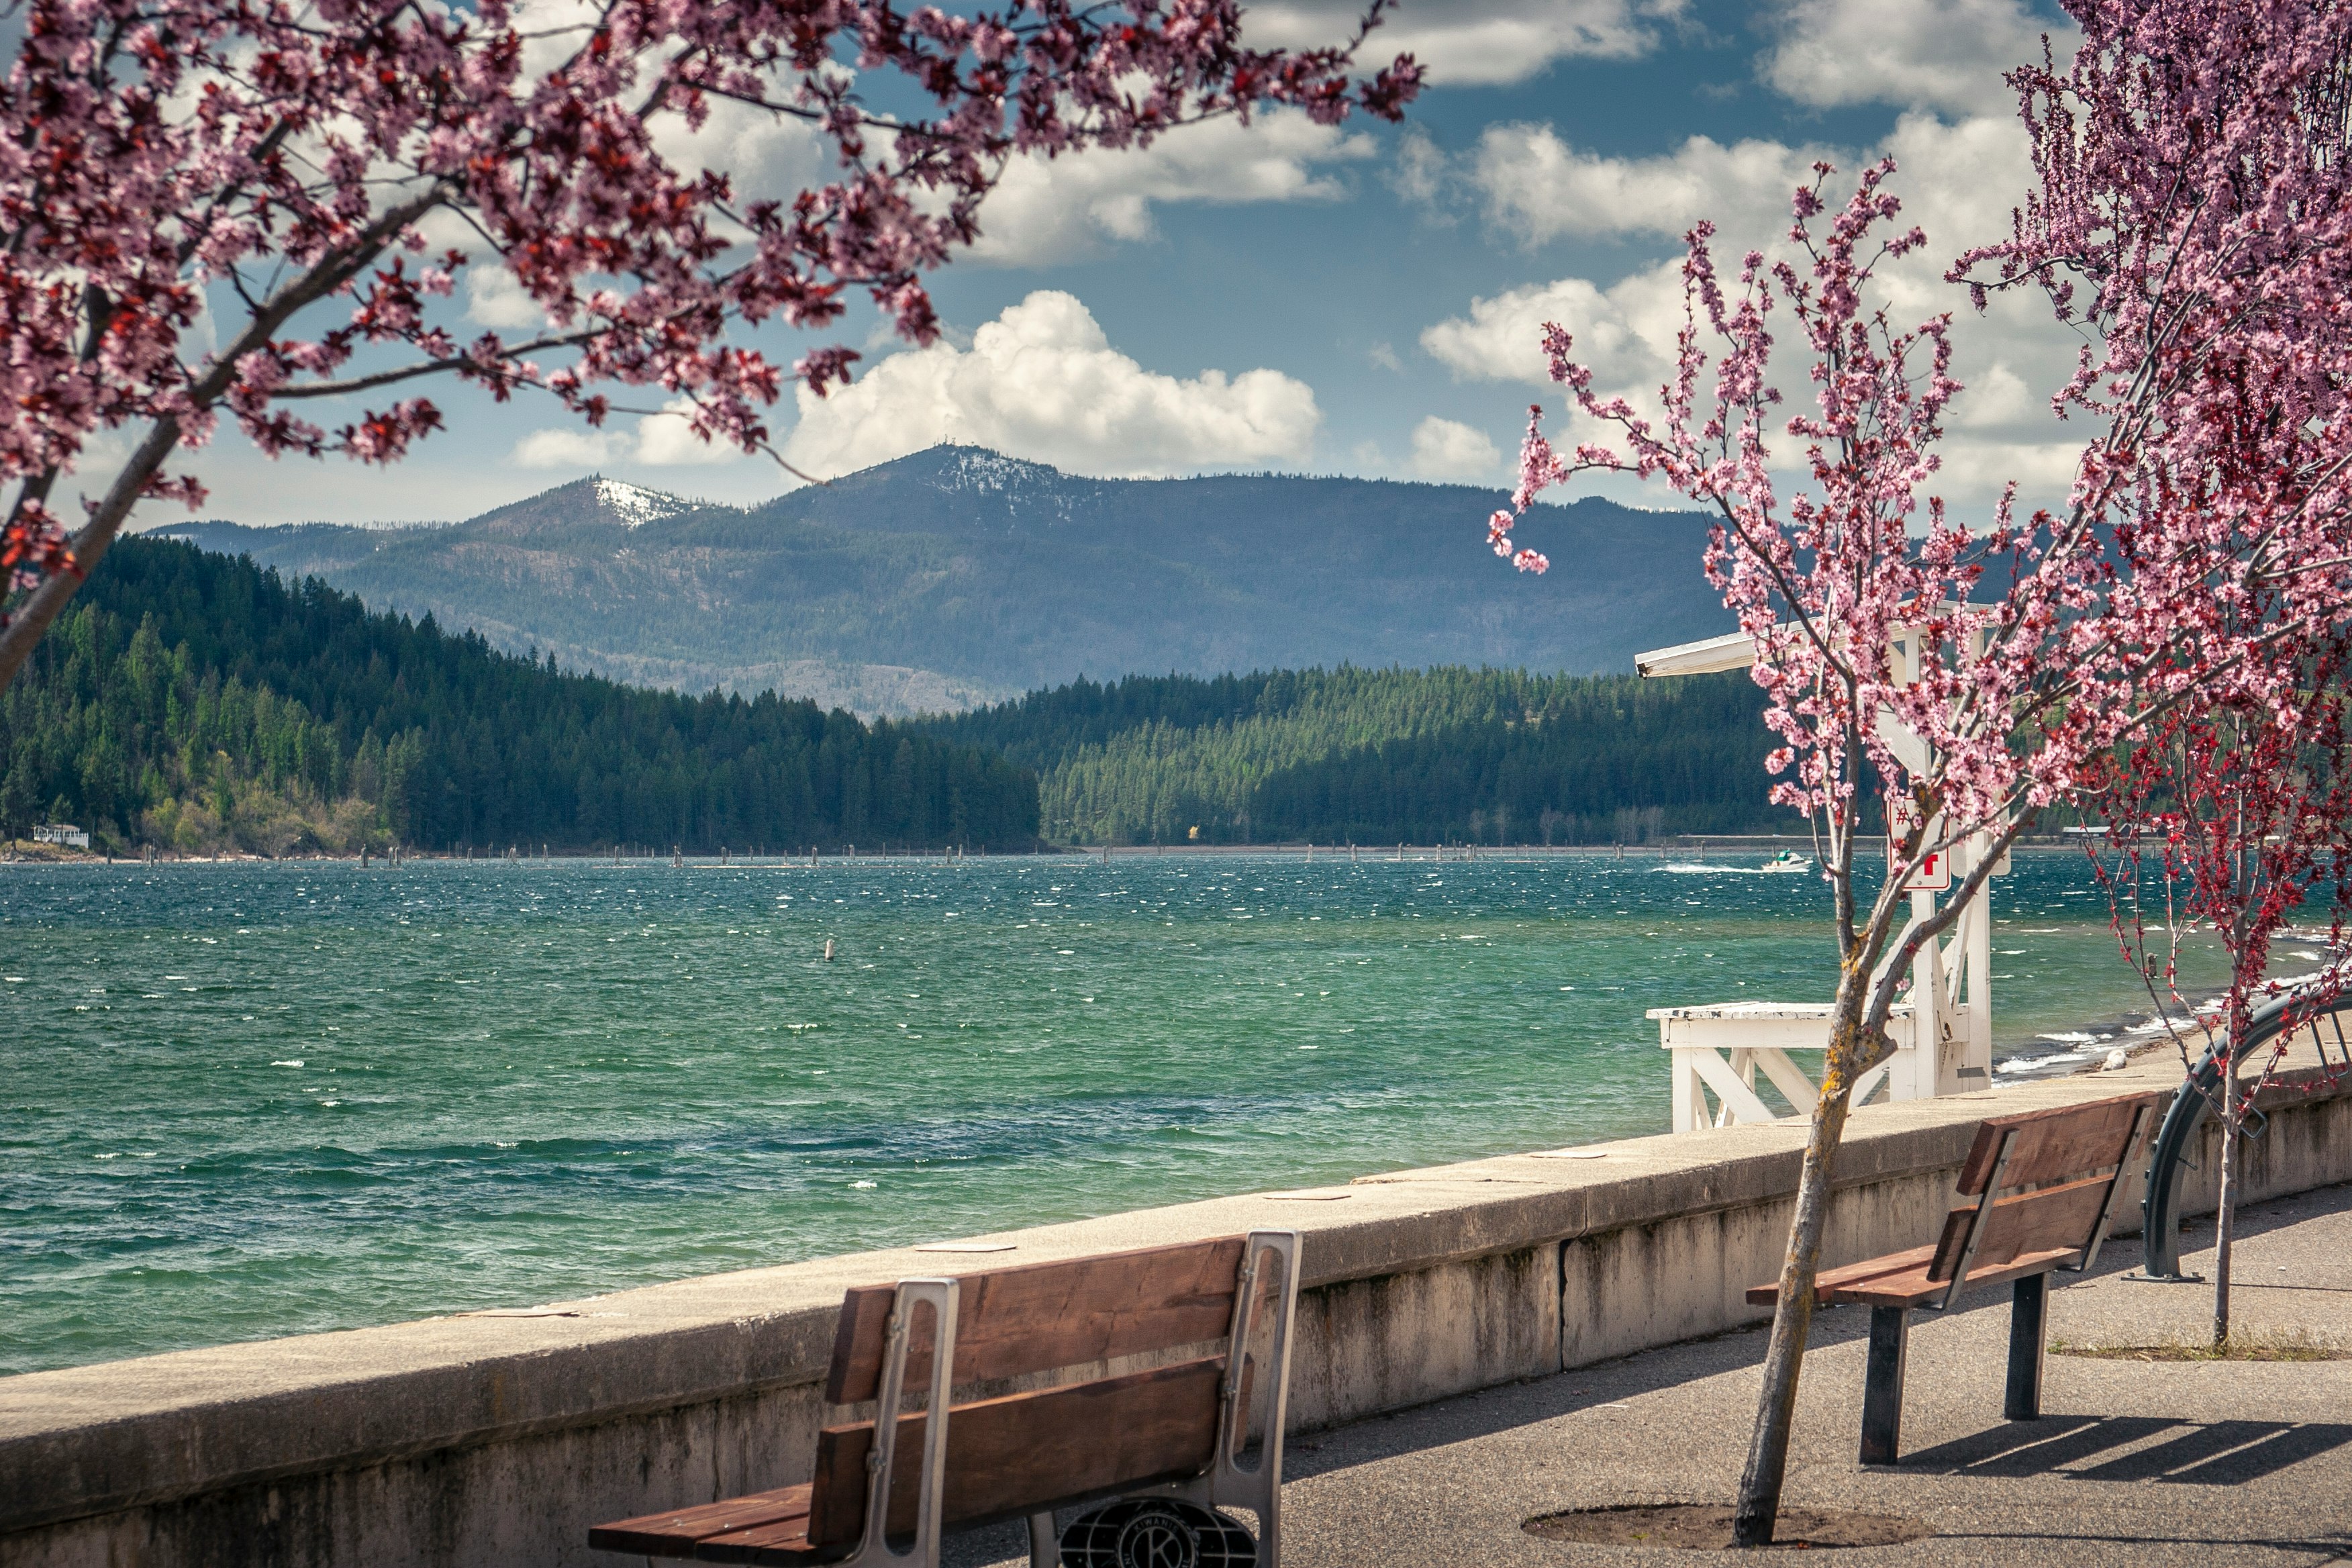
x,y
1789,860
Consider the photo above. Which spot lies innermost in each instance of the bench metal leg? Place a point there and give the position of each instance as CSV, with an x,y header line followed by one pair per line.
x,y
2028,1324
1881,1385
1044,1542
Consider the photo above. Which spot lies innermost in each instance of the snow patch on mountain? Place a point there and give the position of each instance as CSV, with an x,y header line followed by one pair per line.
x,y
1032,492
978,470
636,505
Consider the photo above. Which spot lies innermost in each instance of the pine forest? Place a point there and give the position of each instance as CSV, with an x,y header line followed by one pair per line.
x,y
1374,757
196,703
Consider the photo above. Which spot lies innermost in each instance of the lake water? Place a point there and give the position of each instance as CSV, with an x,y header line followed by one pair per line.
x,y
253,1100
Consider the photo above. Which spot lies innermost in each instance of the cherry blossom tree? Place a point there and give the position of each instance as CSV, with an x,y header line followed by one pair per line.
x,y
256,208
2189,222
1855,588
2234,819
2193,219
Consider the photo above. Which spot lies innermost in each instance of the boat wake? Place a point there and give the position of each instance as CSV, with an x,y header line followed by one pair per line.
x,y
1708,868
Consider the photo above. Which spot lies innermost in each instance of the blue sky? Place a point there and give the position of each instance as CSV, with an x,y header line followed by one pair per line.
x,y
1364,300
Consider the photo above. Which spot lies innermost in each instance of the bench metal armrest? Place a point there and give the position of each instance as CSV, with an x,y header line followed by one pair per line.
x,y
882,1457
1228,1482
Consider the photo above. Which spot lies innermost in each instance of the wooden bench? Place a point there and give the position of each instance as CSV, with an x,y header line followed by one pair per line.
x,y
2037,1192
1213,1320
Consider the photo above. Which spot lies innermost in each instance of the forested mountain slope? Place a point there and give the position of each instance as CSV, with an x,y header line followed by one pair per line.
x,y
955,575
196,702
1374,757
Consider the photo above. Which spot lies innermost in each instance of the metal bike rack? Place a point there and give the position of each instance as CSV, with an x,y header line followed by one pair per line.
x,y
2168,1159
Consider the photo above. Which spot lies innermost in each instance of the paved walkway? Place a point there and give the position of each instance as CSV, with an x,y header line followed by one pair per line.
x,y
2134,1463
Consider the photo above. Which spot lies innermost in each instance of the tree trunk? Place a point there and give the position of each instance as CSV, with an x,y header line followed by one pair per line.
x,y
1784,1354
2225,1211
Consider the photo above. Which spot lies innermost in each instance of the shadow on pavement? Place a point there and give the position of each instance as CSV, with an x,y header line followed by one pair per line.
x,y
2335,1545
2200,1453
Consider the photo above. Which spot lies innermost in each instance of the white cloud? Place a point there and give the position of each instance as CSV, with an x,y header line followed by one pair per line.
x,y
1043,211
200,339
663,440
1384,357
495,298
1449,449
1942,53
1975,468
1958,180
568,449
666,441
1998,397
445,230
764,156
553,31
1463,43
1624,332
1541,188
1042,382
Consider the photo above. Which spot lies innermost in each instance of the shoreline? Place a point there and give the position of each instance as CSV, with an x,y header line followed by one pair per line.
x,y
23,852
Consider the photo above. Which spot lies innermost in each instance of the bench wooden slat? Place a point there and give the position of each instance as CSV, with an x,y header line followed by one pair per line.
x,y
1901,1279
1007,1456
1862,1273
2057,1217
1040,1317
674,1533
2086,1138
775,1543
1914,1288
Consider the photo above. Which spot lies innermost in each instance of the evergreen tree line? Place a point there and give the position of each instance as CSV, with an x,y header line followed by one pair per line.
x,y
1374,757
197,701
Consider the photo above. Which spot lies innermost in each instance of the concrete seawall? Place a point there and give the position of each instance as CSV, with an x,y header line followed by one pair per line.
x,y
498,1439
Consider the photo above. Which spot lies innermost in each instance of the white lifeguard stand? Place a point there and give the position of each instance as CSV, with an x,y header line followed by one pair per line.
x,y
1943,1033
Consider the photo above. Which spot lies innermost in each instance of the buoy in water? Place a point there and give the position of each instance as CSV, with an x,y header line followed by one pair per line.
x,y
828,949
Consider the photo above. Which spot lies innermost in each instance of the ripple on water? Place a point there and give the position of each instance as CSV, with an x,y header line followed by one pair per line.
x,y
305,1096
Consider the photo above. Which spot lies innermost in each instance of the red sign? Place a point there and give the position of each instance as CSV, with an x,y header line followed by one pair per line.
x,y
1935,873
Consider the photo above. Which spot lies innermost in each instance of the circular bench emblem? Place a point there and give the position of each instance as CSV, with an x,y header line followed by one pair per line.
x,y
1156,1532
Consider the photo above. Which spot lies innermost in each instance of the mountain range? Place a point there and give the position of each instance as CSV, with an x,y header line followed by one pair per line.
x,y
956,576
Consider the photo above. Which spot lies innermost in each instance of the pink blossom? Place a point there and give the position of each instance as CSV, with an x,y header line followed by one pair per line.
x,y
2205,554
2194,211
2170,647
282,162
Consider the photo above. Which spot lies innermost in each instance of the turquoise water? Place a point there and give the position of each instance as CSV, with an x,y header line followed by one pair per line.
x,y
245,1101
